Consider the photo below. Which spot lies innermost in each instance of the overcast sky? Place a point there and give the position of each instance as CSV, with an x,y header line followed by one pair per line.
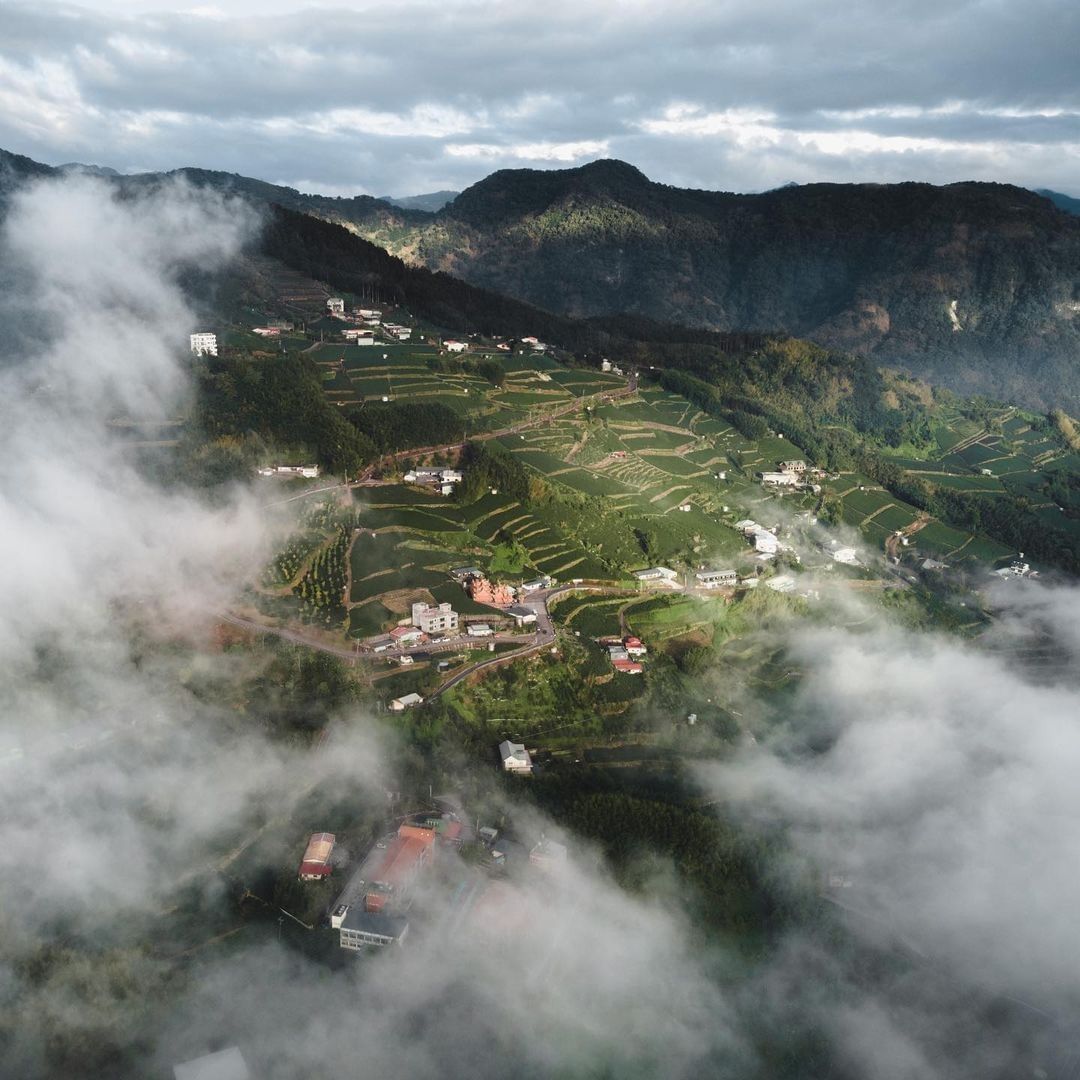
x,y
426,94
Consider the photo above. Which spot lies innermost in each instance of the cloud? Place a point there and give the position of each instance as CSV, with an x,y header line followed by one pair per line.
x,y
735,96
929,786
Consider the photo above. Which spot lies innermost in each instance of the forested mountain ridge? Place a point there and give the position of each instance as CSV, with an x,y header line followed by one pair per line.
x,y
973,285
976,285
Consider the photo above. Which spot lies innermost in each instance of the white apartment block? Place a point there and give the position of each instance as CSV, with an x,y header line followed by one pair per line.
x,y
434,620
204,344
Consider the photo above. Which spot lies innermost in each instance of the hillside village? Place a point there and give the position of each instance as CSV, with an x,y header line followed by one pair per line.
x,y
627,532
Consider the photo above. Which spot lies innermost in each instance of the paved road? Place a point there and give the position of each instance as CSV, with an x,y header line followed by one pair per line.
x,y
543,638
297,638
513,429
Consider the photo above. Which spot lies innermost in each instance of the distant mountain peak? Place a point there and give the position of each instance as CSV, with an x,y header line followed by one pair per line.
x,y
431,201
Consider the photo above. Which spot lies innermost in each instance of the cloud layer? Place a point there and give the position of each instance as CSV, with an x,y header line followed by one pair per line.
x,y
424,96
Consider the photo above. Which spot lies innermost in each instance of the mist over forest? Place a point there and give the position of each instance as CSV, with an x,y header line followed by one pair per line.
x,y
907,826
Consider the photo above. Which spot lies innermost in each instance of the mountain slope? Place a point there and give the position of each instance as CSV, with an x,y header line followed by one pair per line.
x,y
977,285
1063,202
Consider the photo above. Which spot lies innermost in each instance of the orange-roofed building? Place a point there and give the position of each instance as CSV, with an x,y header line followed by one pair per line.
x,y
407,855
634,646
486,592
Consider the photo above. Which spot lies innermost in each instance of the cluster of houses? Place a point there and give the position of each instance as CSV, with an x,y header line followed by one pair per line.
x,y
441,479
366,320
626,654
792,474
607,365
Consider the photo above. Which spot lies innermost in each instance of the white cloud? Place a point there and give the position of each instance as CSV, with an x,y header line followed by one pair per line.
x,y
537,151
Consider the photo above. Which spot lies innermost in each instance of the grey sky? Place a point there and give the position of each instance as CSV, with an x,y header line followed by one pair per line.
x,y
421,95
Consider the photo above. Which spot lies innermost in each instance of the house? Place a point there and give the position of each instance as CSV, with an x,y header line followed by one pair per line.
x,y
783,583
203,344
405,660
515,758
455,346
627,667
359,336
793,466
451,476
267,331
434,620
315,864
336,306
536,584
462,573
765,543
780,479
846,555
446,489
618,652
368,313
407,701
716,579
605,365
686,508
656,573
521,614
479,630
547,855
618,455
228,1064
407,635
378,920
933,564
634,646
394,330
530,340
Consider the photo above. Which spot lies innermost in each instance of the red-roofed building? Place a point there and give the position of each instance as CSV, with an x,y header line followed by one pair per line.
x,y
627,667
634,646
315,864
407,635
407,855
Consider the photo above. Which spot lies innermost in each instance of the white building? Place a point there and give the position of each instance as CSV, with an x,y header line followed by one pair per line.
x,y
793,466
605,365
515,758
521,614
846,555
716,579
434,620
656,573
479,630
309,472
455,346
765,542
406,701
224,1065
203,344
450,476
781,479
358,335
784,583
336,306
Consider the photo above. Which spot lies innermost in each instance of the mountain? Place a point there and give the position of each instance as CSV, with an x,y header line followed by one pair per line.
x,y
1063,202
973,285
434,200
976,285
